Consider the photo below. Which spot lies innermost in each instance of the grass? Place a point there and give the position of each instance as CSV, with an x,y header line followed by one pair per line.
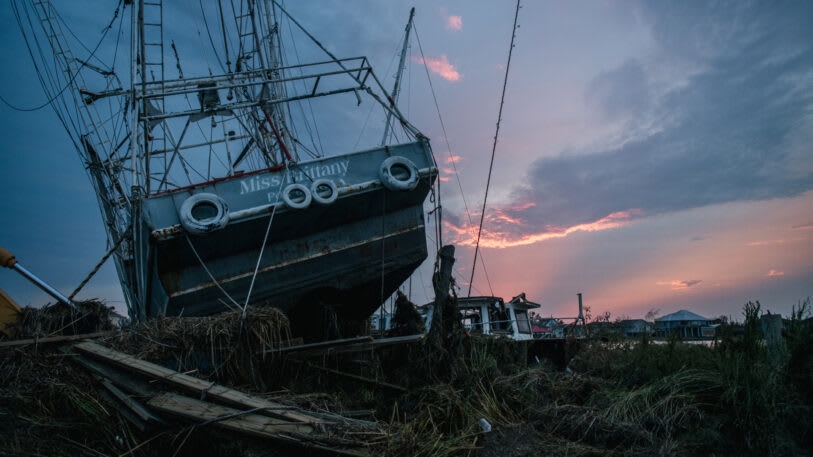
x,y
739,396
735,397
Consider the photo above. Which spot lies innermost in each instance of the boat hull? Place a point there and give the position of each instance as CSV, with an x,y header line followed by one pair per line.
x,y
348,255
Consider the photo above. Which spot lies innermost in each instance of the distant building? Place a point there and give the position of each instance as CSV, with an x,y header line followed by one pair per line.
x,y
634,328
685,324
547,328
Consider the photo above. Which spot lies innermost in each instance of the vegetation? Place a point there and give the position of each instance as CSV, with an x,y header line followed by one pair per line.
x,y
743,394
736,396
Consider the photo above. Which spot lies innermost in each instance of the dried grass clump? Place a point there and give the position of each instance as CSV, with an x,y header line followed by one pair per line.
x,y
588,425
57,319
47,407
224,346
670,405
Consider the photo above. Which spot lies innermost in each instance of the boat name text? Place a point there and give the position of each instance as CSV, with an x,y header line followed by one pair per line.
x,y
299,174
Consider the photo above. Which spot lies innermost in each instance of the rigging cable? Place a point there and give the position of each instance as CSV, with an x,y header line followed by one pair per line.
x,y
36,68
209,33
438,206
494,146
223,28
451,157
244,308
68,84
316,142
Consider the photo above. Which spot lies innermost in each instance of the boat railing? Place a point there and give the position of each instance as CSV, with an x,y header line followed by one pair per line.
x,y
311,84
495,326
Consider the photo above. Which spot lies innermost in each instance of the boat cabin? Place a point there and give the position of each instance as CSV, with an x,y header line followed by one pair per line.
x,y
494,316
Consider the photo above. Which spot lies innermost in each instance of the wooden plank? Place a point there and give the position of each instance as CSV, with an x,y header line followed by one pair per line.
x,y
204,411
137,408
251,423
321,346
112,378
362,344
198,386
380,342
374,382
55,339
119,377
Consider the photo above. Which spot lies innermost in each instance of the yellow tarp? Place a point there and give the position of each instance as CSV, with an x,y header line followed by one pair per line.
x,y
9,314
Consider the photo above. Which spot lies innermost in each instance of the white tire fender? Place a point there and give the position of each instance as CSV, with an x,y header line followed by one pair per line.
x,y
203,213
324,191
398,173
297,196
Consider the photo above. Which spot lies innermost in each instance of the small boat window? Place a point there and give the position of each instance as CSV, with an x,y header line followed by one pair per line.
x,y
523,325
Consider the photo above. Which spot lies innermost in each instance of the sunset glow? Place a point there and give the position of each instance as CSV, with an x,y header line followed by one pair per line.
x,y
650,155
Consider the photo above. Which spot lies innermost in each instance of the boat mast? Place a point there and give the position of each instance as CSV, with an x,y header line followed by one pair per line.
x,y
397,87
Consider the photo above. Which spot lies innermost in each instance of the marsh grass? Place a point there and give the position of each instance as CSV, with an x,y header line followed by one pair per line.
x,y
624,398
636,398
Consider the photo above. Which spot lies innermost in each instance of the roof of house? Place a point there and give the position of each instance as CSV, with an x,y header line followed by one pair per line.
x,y
682,315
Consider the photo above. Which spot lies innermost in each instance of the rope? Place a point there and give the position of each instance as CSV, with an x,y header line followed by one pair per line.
x,y
37,69
494,146
194,251
262,248
383,241
454,166
98,265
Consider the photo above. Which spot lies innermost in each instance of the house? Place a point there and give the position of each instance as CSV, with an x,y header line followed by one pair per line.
x,y
634,328
547,327
685,324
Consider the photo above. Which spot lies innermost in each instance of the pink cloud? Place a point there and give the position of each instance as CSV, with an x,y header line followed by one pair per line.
x,y
453,159
765,242
680,284
454,23
500,229
775,273
771,242
441,66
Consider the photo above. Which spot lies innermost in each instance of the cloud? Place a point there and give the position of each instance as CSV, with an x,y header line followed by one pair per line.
x,y
724,134
620,92
765,242
802,227
505,228
775,273
680,285
454,23
772,242
441,66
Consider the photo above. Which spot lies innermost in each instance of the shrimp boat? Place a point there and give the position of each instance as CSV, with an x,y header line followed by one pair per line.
x,y
238,180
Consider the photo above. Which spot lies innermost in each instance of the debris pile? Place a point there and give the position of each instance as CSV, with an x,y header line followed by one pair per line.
x,y
90,316
154,385
231,386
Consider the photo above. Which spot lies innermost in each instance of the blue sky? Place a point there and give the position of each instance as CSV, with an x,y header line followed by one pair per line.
x,y
652,155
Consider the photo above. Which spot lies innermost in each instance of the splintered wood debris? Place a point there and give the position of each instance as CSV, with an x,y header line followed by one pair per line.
x,y
207,403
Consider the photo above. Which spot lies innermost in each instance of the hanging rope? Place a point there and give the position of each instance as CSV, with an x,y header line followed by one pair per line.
x,y
99,265
262,247
203,264
439,206
494,146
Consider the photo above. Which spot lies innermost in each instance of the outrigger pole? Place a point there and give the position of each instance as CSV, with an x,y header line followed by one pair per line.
x,y
8,260
494,148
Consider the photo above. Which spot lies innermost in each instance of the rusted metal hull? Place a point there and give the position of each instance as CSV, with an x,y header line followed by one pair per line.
x,y
348,255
